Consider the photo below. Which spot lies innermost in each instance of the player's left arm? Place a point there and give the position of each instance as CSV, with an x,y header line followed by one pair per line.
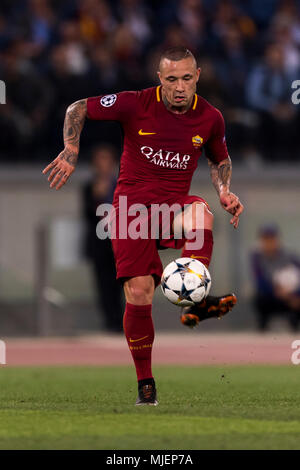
x,y
221,168
221,177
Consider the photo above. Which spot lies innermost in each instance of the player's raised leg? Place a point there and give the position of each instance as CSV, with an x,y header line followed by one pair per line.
x,y
139,332
197,221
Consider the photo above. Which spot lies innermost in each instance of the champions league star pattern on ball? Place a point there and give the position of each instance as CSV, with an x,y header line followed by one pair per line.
x,y
185,281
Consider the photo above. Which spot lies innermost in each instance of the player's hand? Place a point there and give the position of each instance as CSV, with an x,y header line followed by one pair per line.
x,y
62,167
231,203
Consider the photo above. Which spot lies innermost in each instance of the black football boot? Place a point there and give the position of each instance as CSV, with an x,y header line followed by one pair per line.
x,y
146,393
211,307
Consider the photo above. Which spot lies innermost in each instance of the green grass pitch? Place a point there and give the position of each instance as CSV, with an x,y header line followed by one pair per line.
x,y
229,407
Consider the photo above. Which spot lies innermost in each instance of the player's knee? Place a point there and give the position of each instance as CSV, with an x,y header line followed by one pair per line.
x,y
139,295
208,219
139,290
202,217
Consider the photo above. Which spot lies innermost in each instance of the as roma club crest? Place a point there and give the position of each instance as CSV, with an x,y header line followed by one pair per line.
x,y
197,141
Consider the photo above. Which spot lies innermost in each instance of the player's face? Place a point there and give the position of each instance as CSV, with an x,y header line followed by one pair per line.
x,y
179,80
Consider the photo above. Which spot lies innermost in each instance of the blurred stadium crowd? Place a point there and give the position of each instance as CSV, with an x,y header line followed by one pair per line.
x,y
53,52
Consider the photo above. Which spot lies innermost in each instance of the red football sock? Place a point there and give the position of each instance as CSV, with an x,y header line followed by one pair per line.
x,y
204,253
139,332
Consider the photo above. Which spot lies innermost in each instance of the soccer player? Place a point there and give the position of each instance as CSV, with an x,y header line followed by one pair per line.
x,y
165,130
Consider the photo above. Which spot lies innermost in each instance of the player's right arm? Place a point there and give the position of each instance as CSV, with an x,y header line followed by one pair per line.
x,y
116,107
63,166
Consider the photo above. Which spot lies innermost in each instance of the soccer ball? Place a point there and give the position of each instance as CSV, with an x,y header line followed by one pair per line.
x,y
185,282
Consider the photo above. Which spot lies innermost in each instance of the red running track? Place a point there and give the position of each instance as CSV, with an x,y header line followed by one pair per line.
x,y
190,349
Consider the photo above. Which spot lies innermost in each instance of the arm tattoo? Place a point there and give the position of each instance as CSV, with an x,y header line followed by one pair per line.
x,y
74,121
69,156
220,174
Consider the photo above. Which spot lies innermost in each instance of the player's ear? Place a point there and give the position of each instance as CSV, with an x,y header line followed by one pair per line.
x,y
159,75
198,73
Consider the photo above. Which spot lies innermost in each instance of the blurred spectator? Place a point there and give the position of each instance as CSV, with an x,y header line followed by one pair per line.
x,y
105,72
66,87
277,279
175,36
224,14
40,27
241,124
28,101
232,64
3,31
75,54
135,15
190,17
96,21
210,86
281,33
98,191
261,12
125,49
269,93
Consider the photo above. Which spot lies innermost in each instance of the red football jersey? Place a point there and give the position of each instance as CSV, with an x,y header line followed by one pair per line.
x,y
161,148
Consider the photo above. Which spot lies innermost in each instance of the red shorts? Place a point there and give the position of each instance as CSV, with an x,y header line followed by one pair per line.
x,y
140,257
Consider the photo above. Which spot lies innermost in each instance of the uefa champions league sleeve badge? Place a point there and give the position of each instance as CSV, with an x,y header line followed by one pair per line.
x,y
108,100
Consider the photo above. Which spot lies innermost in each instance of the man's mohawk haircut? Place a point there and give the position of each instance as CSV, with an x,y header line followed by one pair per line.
x,y
177,53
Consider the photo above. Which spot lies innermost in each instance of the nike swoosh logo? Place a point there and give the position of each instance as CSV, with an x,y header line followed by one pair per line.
x,y
139,339
145,133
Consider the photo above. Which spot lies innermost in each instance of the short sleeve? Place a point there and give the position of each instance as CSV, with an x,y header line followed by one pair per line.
x,y
215,147
114,107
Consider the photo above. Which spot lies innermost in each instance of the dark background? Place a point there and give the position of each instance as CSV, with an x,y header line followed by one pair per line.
x,y
55,52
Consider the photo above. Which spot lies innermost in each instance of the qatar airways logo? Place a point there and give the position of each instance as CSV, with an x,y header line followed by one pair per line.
x,y
166,158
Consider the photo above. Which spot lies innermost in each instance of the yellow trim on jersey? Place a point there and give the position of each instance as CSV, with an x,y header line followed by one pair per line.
x,y
157,93
195,102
